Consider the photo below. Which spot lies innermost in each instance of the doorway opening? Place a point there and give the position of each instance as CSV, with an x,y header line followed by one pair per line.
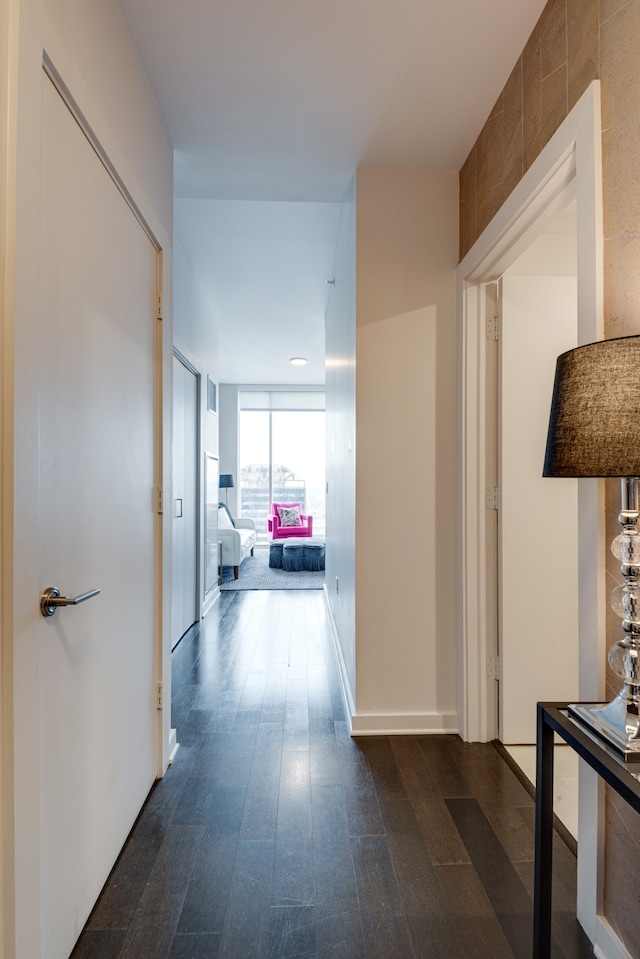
x,y
569,167
567,170
281,454
537,526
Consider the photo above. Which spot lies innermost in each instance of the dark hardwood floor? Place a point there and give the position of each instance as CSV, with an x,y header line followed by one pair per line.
x,y
276,835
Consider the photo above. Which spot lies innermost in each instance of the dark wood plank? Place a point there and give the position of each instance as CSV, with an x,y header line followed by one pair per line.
x,y
340,936
384,768
292,932
336,890
207,894
293,871
246,925
431,924
260,813
294,799
361,798
499,794
502,884
235,767
274,699
154,924
384,923
296,716
99,944
440,836
445,771
363,810
323,748
195,946
477,925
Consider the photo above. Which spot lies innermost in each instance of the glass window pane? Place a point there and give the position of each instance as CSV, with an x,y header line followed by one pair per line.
x,y
298,444
254,469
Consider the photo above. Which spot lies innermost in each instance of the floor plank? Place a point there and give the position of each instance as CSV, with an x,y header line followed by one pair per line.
x,y
275,834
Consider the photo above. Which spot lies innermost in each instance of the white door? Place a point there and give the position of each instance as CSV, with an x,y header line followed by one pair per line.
x,y
184,610
97,661
538,517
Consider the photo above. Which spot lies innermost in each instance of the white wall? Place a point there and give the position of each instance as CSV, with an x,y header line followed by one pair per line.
x,y
340,379
407,251
229,437
90,48
195,335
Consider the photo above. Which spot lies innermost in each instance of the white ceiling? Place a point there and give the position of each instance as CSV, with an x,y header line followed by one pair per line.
x,y
271,106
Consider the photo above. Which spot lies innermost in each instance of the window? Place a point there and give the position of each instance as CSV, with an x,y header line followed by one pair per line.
x,y
282,457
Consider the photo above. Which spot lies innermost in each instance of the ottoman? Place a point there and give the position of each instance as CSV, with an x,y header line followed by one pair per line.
x,y
293,556
313,558
275,554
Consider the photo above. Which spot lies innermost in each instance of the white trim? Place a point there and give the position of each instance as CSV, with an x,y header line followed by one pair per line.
x,y
52,72
570,165
173,745
403,724
607,944
195,368
347,699
210,600
383,724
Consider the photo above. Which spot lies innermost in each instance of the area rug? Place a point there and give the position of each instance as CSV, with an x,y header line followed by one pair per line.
x,y
256,574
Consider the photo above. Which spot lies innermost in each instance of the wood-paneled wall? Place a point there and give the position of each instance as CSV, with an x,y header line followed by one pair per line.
x,y
574,42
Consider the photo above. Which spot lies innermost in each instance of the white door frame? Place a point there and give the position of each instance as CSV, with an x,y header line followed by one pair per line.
x,y
194,368
570,165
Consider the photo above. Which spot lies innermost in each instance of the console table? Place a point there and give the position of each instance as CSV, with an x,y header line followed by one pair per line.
x,y
553,718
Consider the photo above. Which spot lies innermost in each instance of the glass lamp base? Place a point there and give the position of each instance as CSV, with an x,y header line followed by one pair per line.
x,y
617,723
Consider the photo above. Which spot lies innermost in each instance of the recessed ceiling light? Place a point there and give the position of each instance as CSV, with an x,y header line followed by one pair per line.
x,y
298,361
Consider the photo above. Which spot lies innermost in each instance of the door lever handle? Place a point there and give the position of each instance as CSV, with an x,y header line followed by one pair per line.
x,y
51,599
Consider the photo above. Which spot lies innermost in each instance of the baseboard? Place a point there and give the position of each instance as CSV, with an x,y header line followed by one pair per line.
x,y
384,724
347,699
210,599
403,724
174,745
607,944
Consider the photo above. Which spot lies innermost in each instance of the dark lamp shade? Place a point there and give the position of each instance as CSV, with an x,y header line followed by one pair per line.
x,y
594,426
226,481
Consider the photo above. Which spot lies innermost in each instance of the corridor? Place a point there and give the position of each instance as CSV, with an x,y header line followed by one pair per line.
x,y
274,834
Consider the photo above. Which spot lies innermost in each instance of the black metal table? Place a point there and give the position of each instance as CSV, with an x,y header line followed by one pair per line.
x,y
553,718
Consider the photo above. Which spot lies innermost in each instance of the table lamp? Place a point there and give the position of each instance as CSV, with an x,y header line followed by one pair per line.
x,y
227,482
594,430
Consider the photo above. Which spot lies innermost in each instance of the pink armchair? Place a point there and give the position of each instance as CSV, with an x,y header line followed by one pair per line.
x,y
278,531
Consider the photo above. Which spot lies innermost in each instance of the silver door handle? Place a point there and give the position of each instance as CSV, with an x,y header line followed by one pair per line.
x,y
51,599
